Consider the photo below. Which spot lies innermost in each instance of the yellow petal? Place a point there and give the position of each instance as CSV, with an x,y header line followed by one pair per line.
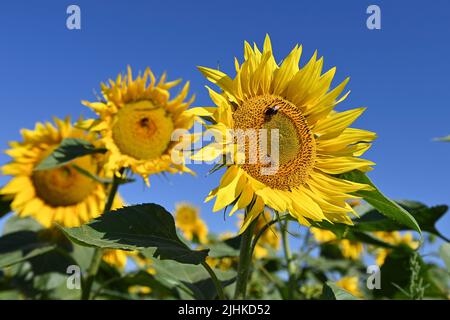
x,y
333,125
251,215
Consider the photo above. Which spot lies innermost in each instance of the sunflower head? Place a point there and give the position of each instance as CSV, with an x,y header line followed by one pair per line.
x,y
294,107
322,235
115,258
136,121
63,195
395,238
351,249
187,219
351,284
224,263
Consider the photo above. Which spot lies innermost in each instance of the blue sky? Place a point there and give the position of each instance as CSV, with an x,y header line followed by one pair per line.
x,y
399,72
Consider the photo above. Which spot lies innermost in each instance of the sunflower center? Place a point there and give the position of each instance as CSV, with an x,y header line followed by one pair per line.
x,y
142,130
65,186
186,216
294,153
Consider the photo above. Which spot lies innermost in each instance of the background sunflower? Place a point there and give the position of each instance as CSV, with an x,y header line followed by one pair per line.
x,y
62,195
136,121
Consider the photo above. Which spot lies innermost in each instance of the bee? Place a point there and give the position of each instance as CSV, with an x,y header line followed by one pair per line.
x,y
271,112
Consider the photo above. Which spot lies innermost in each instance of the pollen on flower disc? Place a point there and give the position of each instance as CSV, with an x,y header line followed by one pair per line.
x,y
296,145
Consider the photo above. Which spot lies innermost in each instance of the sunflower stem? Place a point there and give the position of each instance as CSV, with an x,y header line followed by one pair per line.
x,y
98,253
219,288
289,259
245,259
92,272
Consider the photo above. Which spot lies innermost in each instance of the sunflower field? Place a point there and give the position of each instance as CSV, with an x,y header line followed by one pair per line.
x,y
290,169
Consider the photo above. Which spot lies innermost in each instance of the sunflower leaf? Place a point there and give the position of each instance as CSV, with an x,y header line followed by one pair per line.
x,y
68,150
225,248
427,217
331,291
139,227
189,281
444,252
379,201
20,246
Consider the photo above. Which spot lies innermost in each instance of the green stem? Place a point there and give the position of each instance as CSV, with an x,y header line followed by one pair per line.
x,y
265,228
288,256
245,259
216,281
98,253
279,284
92,272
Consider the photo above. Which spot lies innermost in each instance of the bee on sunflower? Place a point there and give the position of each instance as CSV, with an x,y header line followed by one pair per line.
x,y
136,120
315,141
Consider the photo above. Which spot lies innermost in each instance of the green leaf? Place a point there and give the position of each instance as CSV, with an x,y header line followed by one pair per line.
x,y
190,281
426,217
444,252
437,280
68,150
10,295
225,248
5,206
386,206
82,255
20,246
139,228
16,223
331,291
400,276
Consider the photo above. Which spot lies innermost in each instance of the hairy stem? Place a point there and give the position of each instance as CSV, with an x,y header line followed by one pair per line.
x,y
245,259
289,260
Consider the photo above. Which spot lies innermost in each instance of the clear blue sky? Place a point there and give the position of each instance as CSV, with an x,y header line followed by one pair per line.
x,y
401,73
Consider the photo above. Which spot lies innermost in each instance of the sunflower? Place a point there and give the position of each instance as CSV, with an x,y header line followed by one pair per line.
x,y
349,249
63,195
140,290
136,121
394,238
223,263
351,285
116,258
315,142
187,219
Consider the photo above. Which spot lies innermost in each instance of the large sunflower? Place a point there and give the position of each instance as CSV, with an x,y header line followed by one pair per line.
x,y
62,195
136,122
315,143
